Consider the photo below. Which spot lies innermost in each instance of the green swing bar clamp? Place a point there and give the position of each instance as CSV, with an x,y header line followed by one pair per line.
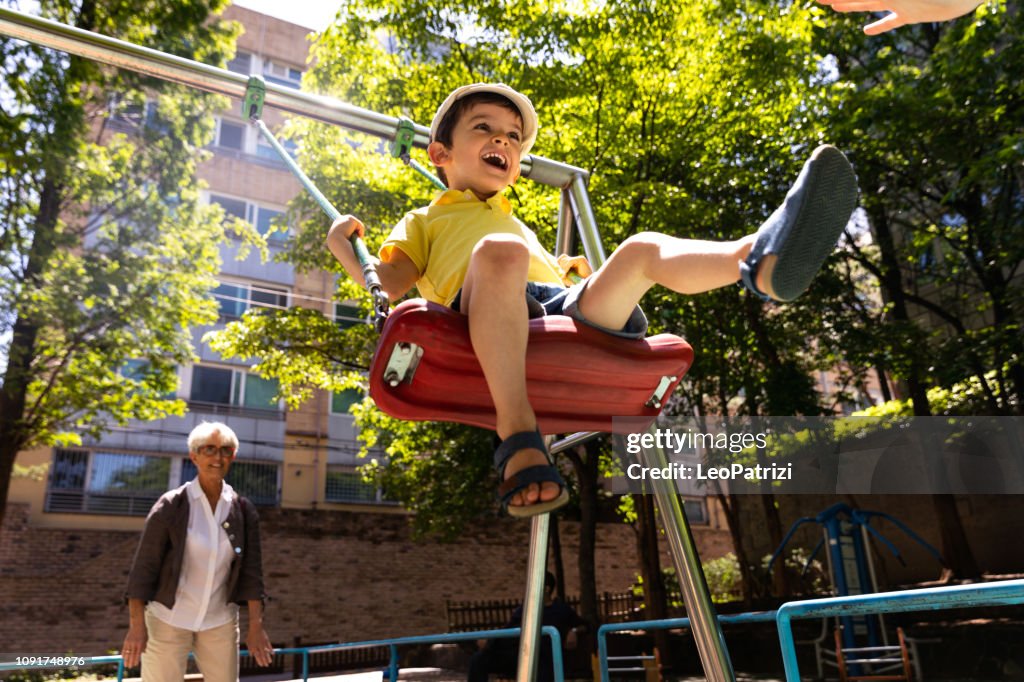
x,y
252,108
401,147
255,95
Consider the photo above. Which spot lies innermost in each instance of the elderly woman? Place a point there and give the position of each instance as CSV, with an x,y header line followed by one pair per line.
x,y
199,558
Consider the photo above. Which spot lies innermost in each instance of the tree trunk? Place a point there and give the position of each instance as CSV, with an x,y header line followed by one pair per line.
x,y
655,594
15,433
585,461
730,506
67,117
556,558
956,551
780,577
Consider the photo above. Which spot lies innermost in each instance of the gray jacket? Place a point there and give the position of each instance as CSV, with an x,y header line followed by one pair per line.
x,y
156,568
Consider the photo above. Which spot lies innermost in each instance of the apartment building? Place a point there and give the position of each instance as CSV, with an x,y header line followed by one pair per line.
x,y
304,458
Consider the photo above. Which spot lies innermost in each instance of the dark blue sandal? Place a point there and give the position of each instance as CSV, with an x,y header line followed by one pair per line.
x,y
523,479
804,230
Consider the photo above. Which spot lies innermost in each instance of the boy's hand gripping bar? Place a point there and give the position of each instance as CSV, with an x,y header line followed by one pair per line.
x,y
252,108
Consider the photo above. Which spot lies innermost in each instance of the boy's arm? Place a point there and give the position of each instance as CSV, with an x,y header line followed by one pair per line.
x,y
397,276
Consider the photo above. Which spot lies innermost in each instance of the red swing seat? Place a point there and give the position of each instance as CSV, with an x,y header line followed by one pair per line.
x,y
578,378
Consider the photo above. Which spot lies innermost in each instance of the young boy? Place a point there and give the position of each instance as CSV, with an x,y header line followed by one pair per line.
x,y
466,250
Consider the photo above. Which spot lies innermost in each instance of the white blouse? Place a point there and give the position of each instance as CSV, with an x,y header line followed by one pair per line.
x,y
201,600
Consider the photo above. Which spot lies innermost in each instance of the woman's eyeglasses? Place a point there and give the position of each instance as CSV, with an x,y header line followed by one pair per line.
x,y
211,450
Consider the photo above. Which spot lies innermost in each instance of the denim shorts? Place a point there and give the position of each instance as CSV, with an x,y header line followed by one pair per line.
x,y
552,299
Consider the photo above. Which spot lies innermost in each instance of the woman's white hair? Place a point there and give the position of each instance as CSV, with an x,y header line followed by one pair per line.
x,y
202,434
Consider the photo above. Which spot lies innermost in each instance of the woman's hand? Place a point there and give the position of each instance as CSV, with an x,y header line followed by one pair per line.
x,y
134,645
259,645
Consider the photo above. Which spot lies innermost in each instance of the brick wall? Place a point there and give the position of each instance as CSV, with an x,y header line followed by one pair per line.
x,y
333,576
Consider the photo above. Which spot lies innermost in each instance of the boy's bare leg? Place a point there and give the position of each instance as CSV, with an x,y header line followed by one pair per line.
x,y
687,266
493,296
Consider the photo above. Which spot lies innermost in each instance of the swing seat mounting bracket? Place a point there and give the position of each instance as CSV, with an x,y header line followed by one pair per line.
x,y
659,392
405,357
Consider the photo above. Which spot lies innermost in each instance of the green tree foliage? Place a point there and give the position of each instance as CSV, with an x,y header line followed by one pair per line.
x,y
107,256
933,117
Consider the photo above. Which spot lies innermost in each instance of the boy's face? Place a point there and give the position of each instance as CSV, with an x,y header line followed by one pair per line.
x,y
484,154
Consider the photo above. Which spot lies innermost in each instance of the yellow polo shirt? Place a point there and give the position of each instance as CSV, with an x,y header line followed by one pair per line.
x,y
439,239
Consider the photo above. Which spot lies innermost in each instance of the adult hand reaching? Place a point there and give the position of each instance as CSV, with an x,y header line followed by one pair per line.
x,y
903,12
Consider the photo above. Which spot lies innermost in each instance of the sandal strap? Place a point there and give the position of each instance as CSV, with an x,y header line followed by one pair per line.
x,y
525,477
748,275
522,440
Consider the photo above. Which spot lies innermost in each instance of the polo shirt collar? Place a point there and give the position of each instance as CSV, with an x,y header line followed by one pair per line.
x,y
453,196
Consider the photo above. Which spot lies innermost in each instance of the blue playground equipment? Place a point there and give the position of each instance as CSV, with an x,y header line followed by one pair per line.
x,y
846,531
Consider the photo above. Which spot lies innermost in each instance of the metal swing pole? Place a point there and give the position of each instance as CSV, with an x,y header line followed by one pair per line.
x,y
533,603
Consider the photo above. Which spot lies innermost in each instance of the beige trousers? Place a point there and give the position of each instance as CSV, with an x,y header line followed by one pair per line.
x,y
166,656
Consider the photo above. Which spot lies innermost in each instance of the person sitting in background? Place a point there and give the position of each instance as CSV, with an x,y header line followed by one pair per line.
x,y
500,656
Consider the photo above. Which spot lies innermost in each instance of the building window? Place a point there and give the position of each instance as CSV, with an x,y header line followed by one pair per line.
x,y
241,63
282,74
128,484
234,298
342,400
220,386
230,135
135,369
212,385
257,481
347,315
265,151
349,486
262,217
696,510
236,208
106,483
138,370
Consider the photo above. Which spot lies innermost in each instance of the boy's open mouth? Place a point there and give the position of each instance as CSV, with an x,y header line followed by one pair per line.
x,y
496,160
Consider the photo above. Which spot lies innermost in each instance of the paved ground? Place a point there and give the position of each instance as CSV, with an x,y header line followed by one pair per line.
x,y
441,675
434,675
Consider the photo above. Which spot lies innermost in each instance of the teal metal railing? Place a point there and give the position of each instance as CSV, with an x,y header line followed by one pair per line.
x,y
666,624
1003,593
305,652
